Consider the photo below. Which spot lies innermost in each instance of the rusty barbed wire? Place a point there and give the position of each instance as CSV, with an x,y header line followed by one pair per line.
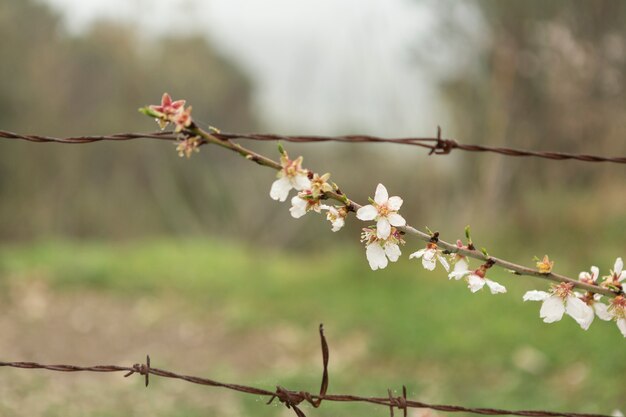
x,y
291,398
435,145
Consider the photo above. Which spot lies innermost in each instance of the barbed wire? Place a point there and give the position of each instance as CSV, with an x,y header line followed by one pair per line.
x,y
292,398
435,145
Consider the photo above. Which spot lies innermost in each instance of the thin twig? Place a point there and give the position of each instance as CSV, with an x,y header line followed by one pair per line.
x,y
452,248
291,398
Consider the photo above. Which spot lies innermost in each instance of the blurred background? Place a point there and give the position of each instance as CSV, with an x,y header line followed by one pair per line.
x,y
110,251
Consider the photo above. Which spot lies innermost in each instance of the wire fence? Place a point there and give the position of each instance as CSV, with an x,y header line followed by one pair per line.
x,y
435,145
293,399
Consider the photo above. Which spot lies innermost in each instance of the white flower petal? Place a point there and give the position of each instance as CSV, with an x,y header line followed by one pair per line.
x,y
495,287
376,256
383,228
602,311
298,207
429,263
621,325
579,311
396,220
301,182
338,224
552,309
393,251
619,265
595,272
417,254
461,265
381,195
458,274
536,295
430,254
444,262
394,203
586,313
280,189
475,283
367,213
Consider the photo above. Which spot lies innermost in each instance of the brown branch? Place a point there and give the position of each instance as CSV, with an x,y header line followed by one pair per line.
x,y
436,145
450,247
291,398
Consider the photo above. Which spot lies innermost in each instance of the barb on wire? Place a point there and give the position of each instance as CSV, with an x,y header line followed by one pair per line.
x,y
436,145
291,398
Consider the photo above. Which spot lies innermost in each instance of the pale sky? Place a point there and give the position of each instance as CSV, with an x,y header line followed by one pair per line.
x,y
319,66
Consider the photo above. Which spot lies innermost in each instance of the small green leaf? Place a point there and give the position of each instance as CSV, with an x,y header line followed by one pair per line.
x,y
150,113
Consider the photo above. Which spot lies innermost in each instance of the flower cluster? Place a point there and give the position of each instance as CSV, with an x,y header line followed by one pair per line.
x,y
378,250
188,145
383,239
311,187
476,279
583,308
171,112
174,112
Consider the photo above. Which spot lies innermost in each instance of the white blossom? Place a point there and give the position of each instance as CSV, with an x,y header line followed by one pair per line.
x,y
430,255
589,277
379,251
562,299
476,280
302,204
614,280
593,300
336,217
460,262
384,210
289,177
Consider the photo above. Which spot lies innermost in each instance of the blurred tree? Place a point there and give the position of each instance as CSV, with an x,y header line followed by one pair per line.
x,y
552,76
58,84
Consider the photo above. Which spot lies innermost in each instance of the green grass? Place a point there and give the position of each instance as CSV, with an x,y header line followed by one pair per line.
x,y
419,328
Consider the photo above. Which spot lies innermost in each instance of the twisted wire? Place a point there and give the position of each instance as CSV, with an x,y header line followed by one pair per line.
x,y
436,145
292,398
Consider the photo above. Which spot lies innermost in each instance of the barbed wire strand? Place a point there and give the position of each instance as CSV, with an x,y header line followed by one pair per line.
x,y
291,398
436,145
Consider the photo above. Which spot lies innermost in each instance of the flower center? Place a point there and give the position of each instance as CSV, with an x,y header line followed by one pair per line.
x,y
383,210
563,290
618,307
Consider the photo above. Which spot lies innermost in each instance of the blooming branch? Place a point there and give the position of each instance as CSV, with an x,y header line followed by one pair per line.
x,y
383,240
